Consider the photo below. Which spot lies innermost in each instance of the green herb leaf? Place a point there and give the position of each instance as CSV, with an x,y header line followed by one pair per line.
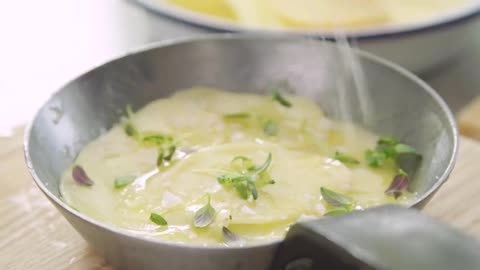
x,y
242,158
253,189
264,167
390,141
270,128
230,238
375,159
404,149
156,140
247,182
165,154
239,115
170,151
335,199
232,178
124,181
242,189
158,219
336,212
204,216
280,99
345,159
160,158
130,130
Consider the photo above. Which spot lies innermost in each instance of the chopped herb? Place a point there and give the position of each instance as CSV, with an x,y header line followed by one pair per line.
x,y
165,154
230,217
80,176
406,158
392,147
156,140
404,149
398,185
336,212
239,115
280,99
124,181
242,158
375,158
204,216
158,219
229,237
270,128
387,141
170,152
345,159
248,177
336,200
232,178
130,130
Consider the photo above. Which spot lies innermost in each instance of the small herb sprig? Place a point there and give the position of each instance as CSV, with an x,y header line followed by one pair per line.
x,y
340,203
247,178
406,158
280,99
388,148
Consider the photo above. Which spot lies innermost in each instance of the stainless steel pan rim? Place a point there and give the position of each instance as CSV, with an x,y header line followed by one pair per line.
x,y
158,45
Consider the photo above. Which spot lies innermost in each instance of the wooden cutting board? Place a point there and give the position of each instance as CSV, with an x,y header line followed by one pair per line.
x,y
33,235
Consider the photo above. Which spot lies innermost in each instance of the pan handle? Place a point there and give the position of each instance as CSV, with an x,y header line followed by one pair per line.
x,y
387,237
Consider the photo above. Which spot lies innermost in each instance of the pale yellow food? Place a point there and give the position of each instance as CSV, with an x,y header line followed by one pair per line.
x,y
323,14
302,163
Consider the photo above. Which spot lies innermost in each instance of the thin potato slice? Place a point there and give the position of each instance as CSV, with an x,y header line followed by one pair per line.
x,y
328,13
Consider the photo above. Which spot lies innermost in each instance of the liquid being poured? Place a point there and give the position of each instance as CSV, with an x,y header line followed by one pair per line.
x,y
350,96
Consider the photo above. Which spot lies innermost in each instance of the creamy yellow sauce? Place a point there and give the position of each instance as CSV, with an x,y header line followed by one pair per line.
x,y
322,14
301,149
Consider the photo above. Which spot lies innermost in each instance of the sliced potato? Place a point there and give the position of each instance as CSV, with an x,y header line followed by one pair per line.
x,y
218,8
254,13
328,13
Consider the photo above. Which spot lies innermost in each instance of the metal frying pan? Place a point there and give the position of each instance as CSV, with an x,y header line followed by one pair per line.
x,y
401,105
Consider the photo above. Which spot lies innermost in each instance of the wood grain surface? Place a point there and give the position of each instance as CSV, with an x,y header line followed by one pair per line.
x,y
33,235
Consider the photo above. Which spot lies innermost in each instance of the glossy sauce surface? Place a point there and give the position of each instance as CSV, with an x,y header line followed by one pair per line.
x,y
210,128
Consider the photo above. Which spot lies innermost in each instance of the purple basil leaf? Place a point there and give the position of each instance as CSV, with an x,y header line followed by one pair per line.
x,y
80,176
399,184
